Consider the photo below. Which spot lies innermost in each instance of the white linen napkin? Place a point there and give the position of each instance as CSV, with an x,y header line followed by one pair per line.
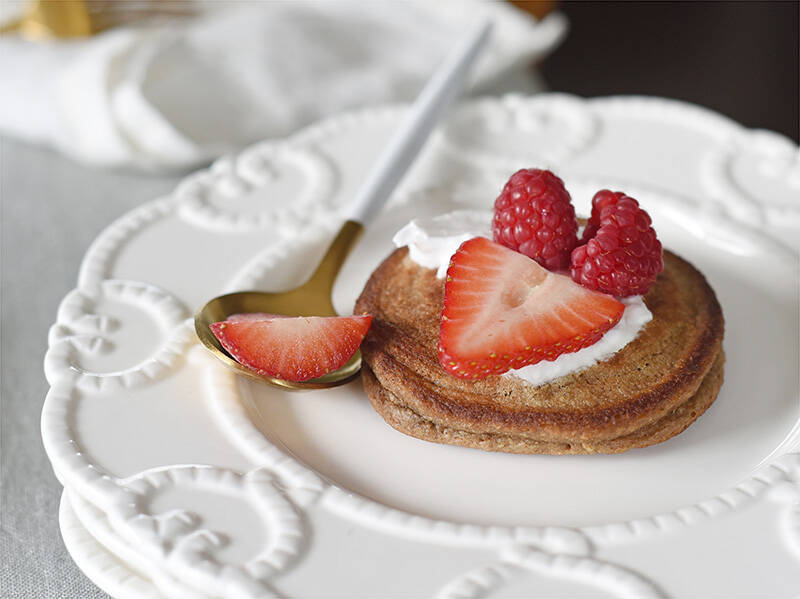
x,y
158,97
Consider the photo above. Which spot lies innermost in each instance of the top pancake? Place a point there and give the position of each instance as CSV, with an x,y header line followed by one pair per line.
x,y
658,371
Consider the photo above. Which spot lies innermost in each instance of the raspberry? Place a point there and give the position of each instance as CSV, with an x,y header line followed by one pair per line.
x,y
622,255
534,216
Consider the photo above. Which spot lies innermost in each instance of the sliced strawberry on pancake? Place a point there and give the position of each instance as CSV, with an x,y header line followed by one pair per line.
x,y
502,311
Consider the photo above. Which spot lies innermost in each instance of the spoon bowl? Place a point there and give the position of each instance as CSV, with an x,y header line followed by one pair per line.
x,y
312,298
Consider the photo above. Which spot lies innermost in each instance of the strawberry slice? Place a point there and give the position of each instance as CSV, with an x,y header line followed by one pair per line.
x,y
502,311
291,348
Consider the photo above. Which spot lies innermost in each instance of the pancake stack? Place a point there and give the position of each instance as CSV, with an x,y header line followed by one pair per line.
x,y
649,391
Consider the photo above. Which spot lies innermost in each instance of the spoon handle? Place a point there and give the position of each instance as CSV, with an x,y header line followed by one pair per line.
x,y
444,86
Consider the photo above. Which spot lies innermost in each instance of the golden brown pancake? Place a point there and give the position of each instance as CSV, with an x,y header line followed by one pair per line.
x,y
649,391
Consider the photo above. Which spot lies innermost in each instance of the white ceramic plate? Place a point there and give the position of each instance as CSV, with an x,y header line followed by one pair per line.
x,y
210,485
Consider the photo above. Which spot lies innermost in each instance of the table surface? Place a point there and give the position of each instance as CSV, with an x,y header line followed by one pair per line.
x,y
51,209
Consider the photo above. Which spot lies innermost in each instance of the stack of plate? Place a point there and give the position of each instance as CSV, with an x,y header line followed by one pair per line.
x,y
184,480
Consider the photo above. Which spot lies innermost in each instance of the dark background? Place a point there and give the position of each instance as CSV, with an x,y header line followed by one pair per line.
x,y
741,59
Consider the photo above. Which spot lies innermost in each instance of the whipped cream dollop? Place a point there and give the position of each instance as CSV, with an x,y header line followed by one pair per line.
x,y
432,242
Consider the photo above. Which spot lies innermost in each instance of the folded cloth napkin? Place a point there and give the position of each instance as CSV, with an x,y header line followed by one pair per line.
x,y
172,97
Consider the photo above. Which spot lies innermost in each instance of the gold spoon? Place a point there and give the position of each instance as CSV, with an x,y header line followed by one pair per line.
x,y
313,298
49,19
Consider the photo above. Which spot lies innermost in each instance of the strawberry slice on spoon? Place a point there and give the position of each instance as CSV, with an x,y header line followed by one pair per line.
x,y
502,311
291,348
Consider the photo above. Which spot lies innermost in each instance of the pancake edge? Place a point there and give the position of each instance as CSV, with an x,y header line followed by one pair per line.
x,y
407,421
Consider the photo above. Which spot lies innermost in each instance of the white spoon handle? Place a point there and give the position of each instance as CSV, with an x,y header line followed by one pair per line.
x,y
439,93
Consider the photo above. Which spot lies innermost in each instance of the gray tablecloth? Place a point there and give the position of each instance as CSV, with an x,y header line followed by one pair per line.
x,y
50,210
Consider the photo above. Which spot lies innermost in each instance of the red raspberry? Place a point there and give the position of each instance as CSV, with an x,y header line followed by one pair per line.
x,y
534,216
622,255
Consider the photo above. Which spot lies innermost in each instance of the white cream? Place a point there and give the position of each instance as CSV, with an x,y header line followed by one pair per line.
x,y
432,242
